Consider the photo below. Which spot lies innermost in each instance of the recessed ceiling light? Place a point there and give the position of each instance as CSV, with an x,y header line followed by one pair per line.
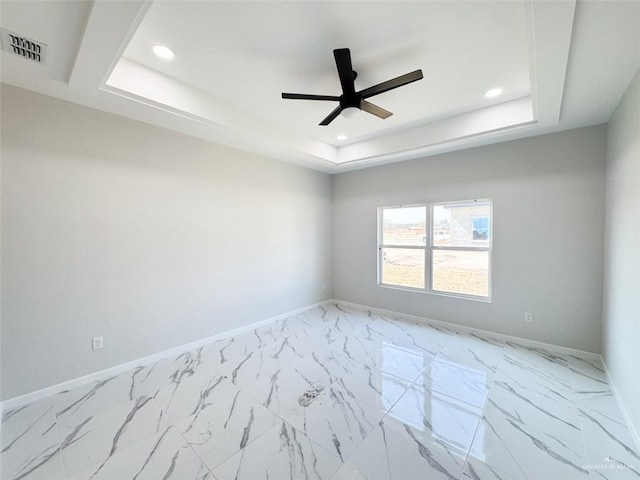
x,y
493,93
163,52
341,137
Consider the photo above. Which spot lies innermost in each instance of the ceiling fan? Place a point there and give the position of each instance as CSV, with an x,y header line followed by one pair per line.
x,y
350,99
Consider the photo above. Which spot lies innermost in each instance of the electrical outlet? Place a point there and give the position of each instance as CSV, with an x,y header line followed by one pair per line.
x,y
97,343
528,317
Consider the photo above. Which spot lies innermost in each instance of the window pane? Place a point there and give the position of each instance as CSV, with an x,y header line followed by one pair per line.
x,y
403,266
462,225
404,226
464,272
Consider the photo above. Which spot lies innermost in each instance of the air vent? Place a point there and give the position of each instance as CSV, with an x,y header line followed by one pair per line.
x,y
23,46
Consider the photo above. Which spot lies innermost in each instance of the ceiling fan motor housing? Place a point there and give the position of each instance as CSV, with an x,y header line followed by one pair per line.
x,y
347,101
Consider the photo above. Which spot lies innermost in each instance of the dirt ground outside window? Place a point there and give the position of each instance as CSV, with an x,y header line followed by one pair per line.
x,y
463,272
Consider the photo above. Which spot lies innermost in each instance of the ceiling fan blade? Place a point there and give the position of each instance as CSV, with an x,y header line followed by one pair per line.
x,y
391,84
345,70
304,96
374,109
332,116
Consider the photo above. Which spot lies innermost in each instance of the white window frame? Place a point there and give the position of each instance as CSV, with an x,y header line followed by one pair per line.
x,y
429,248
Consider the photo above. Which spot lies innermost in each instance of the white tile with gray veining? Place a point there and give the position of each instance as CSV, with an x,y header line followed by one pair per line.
x,y
334,393
92,441
347,473
473,351
163,456
193,395
285,393
524,450
587,374
360,349
178,368
30,443
477,470
256,365
94,397
395,451
558,417
219,432
549,379
469,384
445,418
338,422
424,337
373,386
544,365
283,452
327,366
609,446
403,363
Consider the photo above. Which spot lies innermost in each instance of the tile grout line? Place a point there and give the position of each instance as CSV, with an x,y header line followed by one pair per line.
x,y
174,426
57,426
484,407
580,423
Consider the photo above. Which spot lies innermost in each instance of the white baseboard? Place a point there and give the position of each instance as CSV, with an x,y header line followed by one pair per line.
x,y
625,413
462,328
117,369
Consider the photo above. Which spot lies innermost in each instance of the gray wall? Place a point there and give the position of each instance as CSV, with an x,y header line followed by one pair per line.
x,y
548,207
621,310
154,239
147,237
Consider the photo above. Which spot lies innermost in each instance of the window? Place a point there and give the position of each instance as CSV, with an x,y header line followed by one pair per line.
x,y
403,241
452,256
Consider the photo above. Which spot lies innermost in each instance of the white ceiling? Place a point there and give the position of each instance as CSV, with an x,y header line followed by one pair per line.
x,y
248,53
561,64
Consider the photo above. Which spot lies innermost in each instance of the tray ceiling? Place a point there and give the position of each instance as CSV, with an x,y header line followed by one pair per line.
x,y
234,58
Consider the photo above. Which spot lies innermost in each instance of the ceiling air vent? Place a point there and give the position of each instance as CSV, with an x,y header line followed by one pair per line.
x,y
23,46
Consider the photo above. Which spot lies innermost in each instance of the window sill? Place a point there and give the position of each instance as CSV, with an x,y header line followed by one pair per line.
x,y
437,293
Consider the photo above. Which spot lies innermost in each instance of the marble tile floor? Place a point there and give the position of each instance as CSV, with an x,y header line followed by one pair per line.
x,y
332,394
